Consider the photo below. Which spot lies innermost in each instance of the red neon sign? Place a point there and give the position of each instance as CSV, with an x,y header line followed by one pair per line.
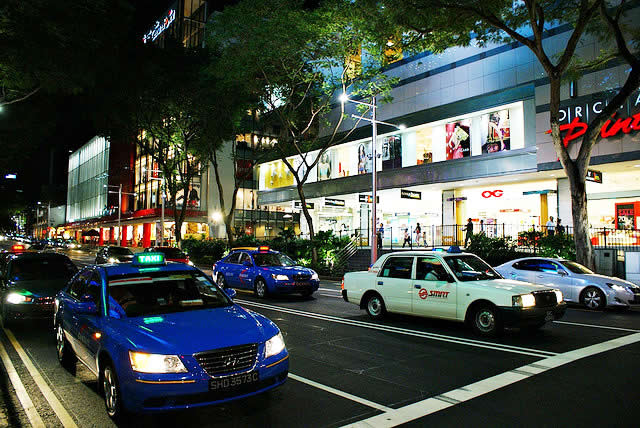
x,y
576,128
494,193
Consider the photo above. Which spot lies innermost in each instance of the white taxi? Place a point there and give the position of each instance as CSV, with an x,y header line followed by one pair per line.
x,y
451,285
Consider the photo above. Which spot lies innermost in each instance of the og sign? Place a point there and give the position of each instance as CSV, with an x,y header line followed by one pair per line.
x,y
492,193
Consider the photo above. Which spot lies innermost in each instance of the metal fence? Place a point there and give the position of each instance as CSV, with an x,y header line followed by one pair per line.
x,y
456,234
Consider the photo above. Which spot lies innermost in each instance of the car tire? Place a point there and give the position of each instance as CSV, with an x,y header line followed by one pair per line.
x,y
260,288
375,306
307,293
66,357
111,392
486,321
593,298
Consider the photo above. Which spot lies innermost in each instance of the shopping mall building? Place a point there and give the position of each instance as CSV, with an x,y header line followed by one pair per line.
x,y
475,146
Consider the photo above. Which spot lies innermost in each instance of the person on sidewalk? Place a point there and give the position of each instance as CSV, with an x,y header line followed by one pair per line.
x,y
469,229
560,227
418,233
551,227
407,238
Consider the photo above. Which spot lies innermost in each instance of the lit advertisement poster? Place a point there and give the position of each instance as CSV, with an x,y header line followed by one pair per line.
x,y
458,139
324,166
193,199
497,135
364,158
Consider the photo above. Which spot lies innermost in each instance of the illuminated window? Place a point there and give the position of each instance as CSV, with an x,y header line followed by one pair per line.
x,y
393,51
353,64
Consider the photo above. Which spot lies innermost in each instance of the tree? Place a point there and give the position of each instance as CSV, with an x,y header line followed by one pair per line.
x,y
439,24
56,47
295,59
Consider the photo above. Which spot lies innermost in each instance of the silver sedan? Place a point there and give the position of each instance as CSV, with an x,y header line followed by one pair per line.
x,y
577,283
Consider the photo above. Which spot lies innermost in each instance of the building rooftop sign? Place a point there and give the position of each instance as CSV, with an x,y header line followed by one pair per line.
x,y
160,26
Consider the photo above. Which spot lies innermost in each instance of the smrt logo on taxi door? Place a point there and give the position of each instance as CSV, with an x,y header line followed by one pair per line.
x,y
424,293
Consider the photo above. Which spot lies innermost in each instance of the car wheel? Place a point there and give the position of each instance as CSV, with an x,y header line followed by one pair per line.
x,y
260,288
486,321
306,293
66,357
111,391
593,298
375,306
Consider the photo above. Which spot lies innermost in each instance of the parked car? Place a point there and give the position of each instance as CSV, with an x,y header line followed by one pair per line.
x,y
265,272
578,284
29,282
171,254
451,285
162,336
114,254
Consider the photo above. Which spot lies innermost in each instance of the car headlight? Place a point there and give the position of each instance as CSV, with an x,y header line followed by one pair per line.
x,y
155,363
279,277
112,260
559,296
274,346
314,276
616,287
524,301
17,298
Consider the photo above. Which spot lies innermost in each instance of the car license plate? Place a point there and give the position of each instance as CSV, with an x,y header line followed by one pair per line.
x,y
549,316
230,382
301,284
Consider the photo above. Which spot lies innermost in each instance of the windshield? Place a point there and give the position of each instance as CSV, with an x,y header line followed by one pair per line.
x,y
142,295
38,269
120,251
470,268
171,253
273,259
575,267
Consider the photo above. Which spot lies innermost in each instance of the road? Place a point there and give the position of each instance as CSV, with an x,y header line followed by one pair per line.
x,y
349,371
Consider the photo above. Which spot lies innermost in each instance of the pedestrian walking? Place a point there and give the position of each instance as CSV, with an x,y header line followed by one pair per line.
x,y
482,226
469,229
380,233
407,237
418,233
551,227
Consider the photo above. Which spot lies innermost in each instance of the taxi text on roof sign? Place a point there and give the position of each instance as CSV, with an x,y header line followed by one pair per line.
x,y
149,259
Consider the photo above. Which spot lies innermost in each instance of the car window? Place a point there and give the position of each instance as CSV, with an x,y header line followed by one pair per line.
x,y
41,268
470,268
430,269
575,267
546,266
273,259
78,286
397,267
170,253
93,287
232,258
526,265
120,251
164,292
245,258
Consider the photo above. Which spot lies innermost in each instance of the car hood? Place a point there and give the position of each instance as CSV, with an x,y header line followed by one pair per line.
x,y
512,286
41,288
287,270
189,332
603,279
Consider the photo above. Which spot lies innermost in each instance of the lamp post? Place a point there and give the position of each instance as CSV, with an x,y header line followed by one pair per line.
x,y
120,193
374,174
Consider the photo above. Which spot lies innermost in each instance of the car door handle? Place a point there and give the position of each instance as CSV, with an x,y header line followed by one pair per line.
x,y
417,286
380,283
540,276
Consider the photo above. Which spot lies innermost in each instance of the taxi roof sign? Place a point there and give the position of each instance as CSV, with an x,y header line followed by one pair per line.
x,y
148,259
17,247
263,248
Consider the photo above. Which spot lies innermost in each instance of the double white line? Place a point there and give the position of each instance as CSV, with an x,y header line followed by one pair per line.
x,y
416,333
32,414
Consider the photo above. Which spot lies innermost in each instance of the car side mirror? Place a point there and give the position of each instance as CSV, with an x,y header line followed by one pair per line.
x,y
562,273
230,292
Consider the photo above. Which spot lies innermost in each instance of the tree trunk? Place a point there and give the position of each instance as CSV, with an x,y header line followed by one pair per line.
x,y
227,218
307,216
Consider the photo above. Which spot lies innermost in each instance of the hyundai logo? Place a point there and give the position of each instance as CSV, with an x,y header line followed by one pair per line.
x,y
230,362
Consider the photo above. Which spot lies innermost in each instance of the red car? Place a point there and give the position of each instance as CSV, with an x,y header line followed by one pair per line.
x,y
171,254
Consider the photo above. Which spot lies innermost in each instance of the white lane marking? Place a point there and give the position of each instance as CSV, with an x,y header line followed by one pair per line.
x,y
32,414
448,399
330,295
56,405
470,342
598,326
330,289
341,393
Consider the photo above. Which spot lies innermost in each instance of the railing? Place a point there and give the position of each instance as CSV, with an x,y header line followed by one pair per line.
x,y
345,253
521,235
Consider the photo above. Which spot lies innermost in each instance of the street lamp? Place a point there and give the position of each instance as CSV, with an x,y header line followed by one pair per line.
x,y
120,193
374,176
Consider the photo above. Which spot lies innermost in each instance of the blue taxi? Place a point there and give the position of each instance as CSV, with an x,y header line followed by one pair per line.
x,y
264,271
160,336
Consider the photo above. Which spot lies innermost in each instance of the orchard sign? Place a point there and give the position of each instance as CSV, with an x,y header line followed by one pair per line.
x,y
577,118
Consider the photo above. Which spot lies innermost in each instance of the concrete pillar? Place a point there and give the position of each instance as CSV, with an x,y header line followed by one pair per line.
x,y
101,238
124,237
544,209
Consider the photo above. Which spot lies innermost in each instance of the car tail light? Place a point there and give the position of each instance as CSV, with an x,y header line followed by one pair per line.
x,y
342,284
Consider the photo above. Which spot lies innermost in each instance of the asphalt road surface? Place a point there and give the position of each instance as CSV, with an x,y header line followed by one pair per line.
x,y
347,370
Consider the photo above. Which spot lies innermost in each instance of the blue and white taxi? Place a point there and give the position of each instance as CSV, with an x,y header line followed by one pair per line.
x,y
451,285
162,336
264,271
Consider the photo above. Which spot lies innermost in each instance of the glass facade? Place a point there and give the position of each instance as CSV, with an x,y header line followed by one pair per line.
x,y
87,180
